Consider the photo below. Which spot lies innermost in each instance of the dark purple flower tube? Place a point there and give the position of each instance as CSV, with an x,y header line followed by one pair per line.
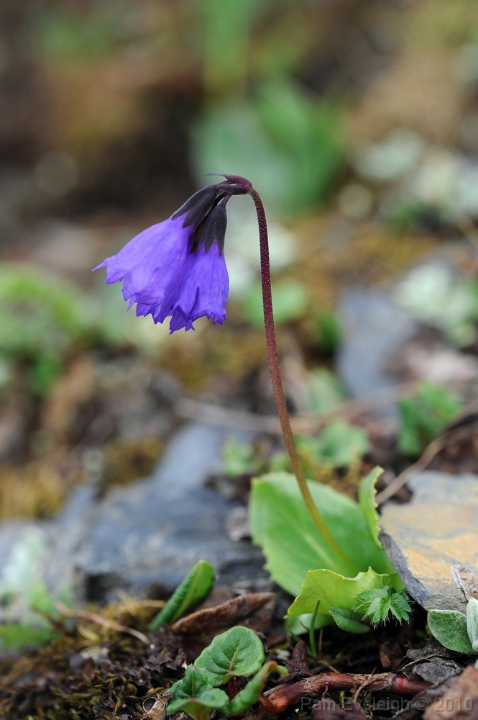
x,y
177,268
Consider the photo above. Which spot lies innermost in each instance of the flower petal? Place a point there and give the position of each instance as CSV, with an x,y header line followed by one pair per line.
x,y
164,278
204,290
152,265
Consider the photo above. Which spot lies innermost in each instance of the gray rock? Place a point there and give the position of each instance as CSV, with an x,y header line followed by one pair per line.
x,y
152,533
437,529
192,455
143,539
72,536
373,327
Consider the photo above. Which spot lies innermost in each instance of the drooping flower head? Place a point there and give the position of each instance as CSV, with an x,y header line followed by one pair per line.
x,y
177,268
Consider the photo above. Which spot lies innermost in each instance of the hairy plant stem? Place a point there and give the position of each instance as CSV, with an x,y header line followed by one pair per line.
x,y
278,387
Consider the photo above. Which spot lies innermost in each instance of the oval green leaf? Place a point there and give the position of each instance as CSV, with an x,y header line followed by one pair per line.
x,y
195,695
472,622
449,628
238,651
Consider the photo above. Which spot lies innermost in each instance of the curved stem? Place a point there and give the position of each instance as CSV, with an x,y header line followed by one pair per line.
x,y
277,385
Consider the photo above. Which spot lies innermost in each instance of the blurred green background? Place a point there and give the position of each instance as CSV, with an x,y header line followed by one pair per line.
x,y
357,120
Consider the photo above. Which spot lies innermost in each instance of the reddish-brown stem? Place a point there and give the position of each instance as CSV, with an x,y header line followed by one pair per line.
x,y
277,385
278,699
232,688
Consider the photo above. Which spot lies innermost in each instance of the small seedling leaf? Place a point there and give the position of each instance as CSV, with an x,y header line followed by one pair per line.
x,y
377,604
251,692
449,628
195,587
236,652
400,606
195,695
349,621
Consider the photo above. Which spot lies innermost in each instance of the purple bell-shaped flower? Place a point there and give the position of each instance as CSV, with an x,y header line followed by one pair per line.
x,y
177,268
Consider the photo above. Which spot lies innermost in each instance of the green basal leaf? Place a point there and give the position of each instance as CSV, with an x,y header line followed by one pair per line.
x,y
449,628
368,506
281,525
349,621
335,590
236,652
195,587
472,622
250,694
195,695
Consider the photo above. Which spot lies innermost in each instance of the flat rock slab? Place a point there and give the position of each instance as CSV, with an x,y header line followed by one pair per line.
x,y
150,534
438,528
142,539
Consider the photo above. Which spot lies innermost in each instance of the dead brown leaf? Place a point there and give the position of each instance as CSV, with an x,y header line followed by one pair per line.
x,y
253,610
433,663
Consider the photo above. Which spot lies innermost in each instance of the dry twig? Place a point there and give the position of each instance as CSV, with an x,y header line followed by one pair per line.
x,y
99,620
303,423
460,433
